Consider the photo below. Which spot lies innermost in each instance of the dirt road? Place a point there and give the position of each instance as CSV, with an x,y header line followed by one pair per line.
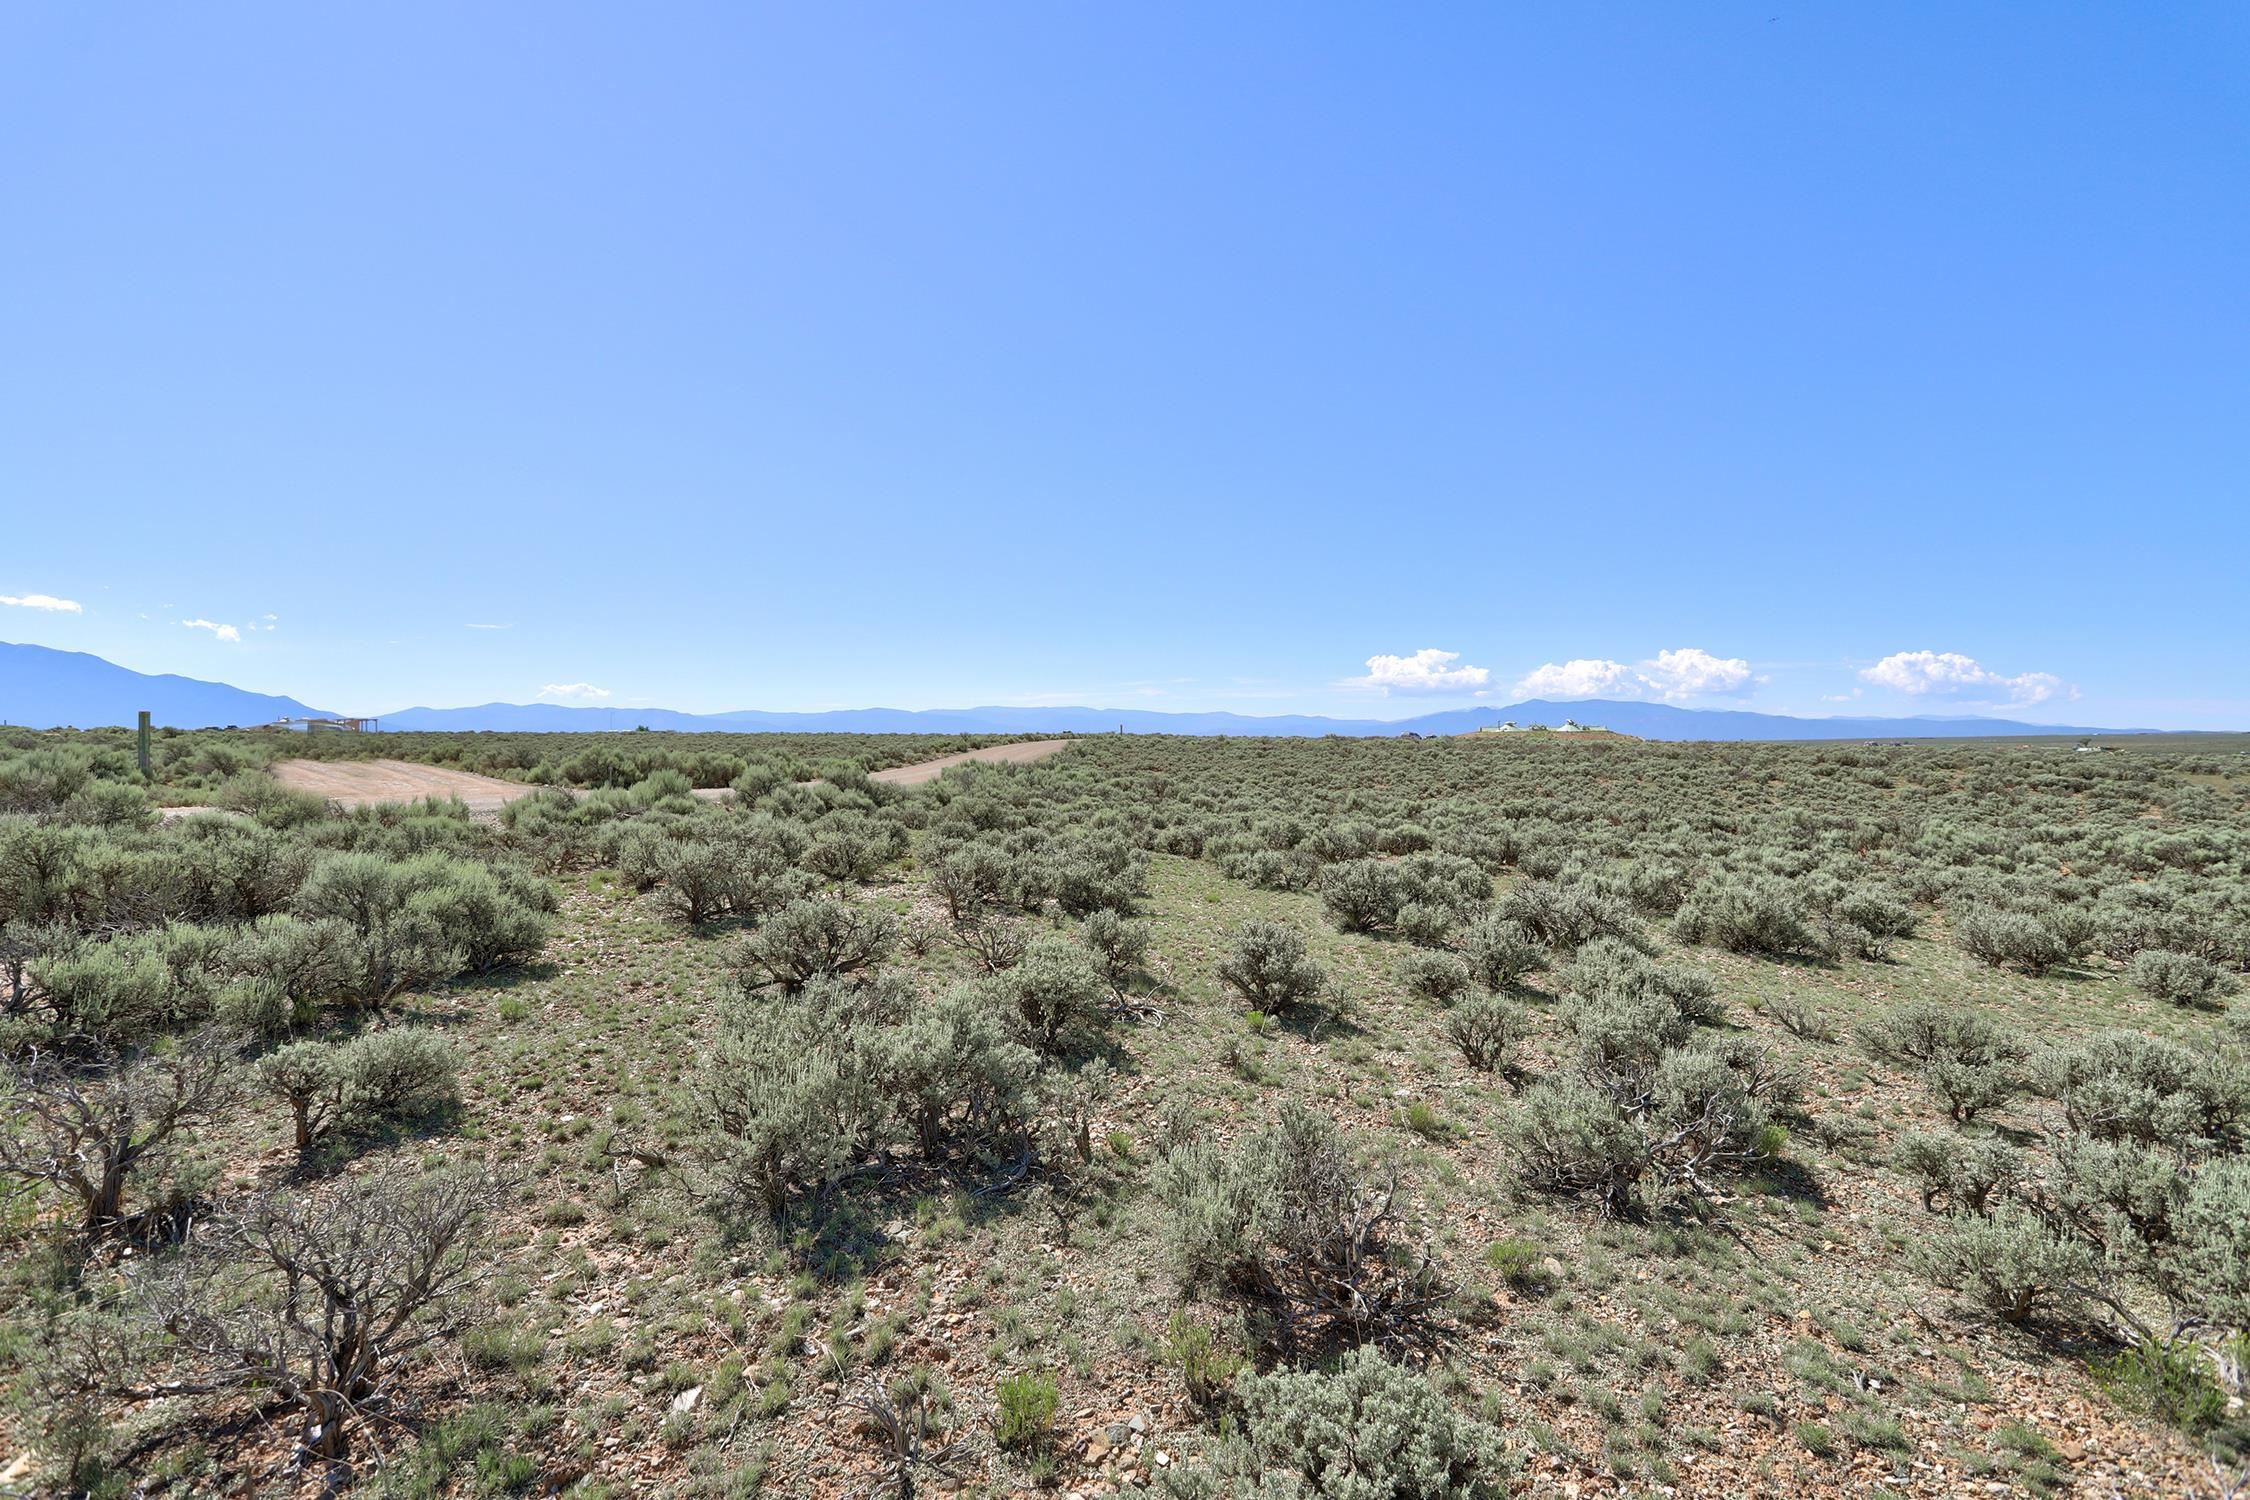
x,y
1022,752
362,783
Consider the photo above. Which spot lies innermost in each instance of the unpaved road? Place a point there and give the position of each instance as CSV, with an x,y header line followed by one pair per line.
x,y
362,783
1021,753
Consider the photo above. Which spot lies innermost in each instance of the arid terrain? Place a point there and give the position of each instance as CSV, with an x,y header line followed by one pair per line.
x,y
1608,1119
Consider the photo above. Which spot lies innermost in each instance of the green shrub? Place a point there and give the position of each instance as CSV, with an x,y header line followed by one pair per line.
x,y
1747,914
2181,978
2128,1085
1487,1029
1023,1420
1519,1262
1369,1431
1570,1137
1563,916
2170,1381
2010,1262
1363,895
2008,937
1954,1171
1286,1218
1057,991
1500,953
1966,1058
1437,977
381,1075
1269,967
809,940
1120,948
1207,1367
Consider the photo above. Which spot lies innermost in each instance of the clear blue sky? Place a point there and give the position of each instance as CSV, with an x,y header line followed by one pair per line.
x,y
1148,355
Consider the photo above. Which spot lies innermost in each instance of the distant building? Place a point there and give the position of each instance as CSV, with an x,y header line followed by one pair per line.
x,y
324,726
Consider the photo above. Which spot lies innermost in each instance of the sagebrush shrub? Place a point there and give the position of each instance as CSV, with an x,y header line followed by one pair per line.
x,y
1998,938
1439,977
1488,1029
2182,978
1269,967
1500,953
1747,914
1966,1058
808,940
1119,947
1288,1219
1368,1431
1057,991
2011,1262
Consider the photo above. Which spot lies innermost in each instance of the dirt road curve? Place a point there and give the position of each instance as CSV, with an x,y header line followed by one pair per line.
x,y
1023,752
361,783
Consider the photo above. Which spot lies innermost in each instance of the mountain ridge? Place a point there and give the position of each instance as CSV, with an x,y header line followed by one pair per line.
x,y
44,687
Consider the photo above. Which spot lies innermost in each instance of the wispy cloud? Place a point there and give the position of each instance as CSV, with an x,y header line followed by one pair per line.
x,y
474,626
1949,674
573,692
1428,670
1688,672
46,602
221,632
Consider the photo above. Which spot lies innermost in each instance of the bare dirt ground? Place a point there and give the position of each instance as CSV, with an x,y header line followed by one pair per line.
x,y
362,783
1023,752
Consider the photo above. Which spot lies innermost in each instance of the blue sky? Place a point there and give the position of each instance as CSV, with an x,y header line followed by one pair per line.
x,y
1874,359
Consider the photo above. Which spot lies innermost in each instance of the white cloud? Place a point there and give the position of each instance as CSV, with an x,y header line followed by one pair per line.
x,y
573,692
221,632
1584,678
1688,672
44,601
1426,671
490,627
1949,674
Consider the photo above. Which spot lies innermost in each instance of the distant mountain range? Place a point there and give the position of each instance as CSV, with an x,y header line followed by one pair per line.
x,y
1649,721
43,688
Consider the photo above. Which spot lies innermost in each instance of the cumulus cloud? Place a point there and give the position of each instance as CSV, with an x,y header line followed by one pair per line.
x,y
1688,672
44,601
1949,674
218,631
1586,677
1426,671
573,692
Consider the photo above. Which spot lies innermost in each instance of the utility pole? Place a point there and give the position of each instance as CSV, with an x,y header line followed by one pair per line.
x,y
141,744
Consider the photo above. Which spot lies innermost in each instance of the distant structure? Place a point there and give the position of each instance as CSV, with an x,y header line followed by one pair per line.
x,y
1567,726
325,726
